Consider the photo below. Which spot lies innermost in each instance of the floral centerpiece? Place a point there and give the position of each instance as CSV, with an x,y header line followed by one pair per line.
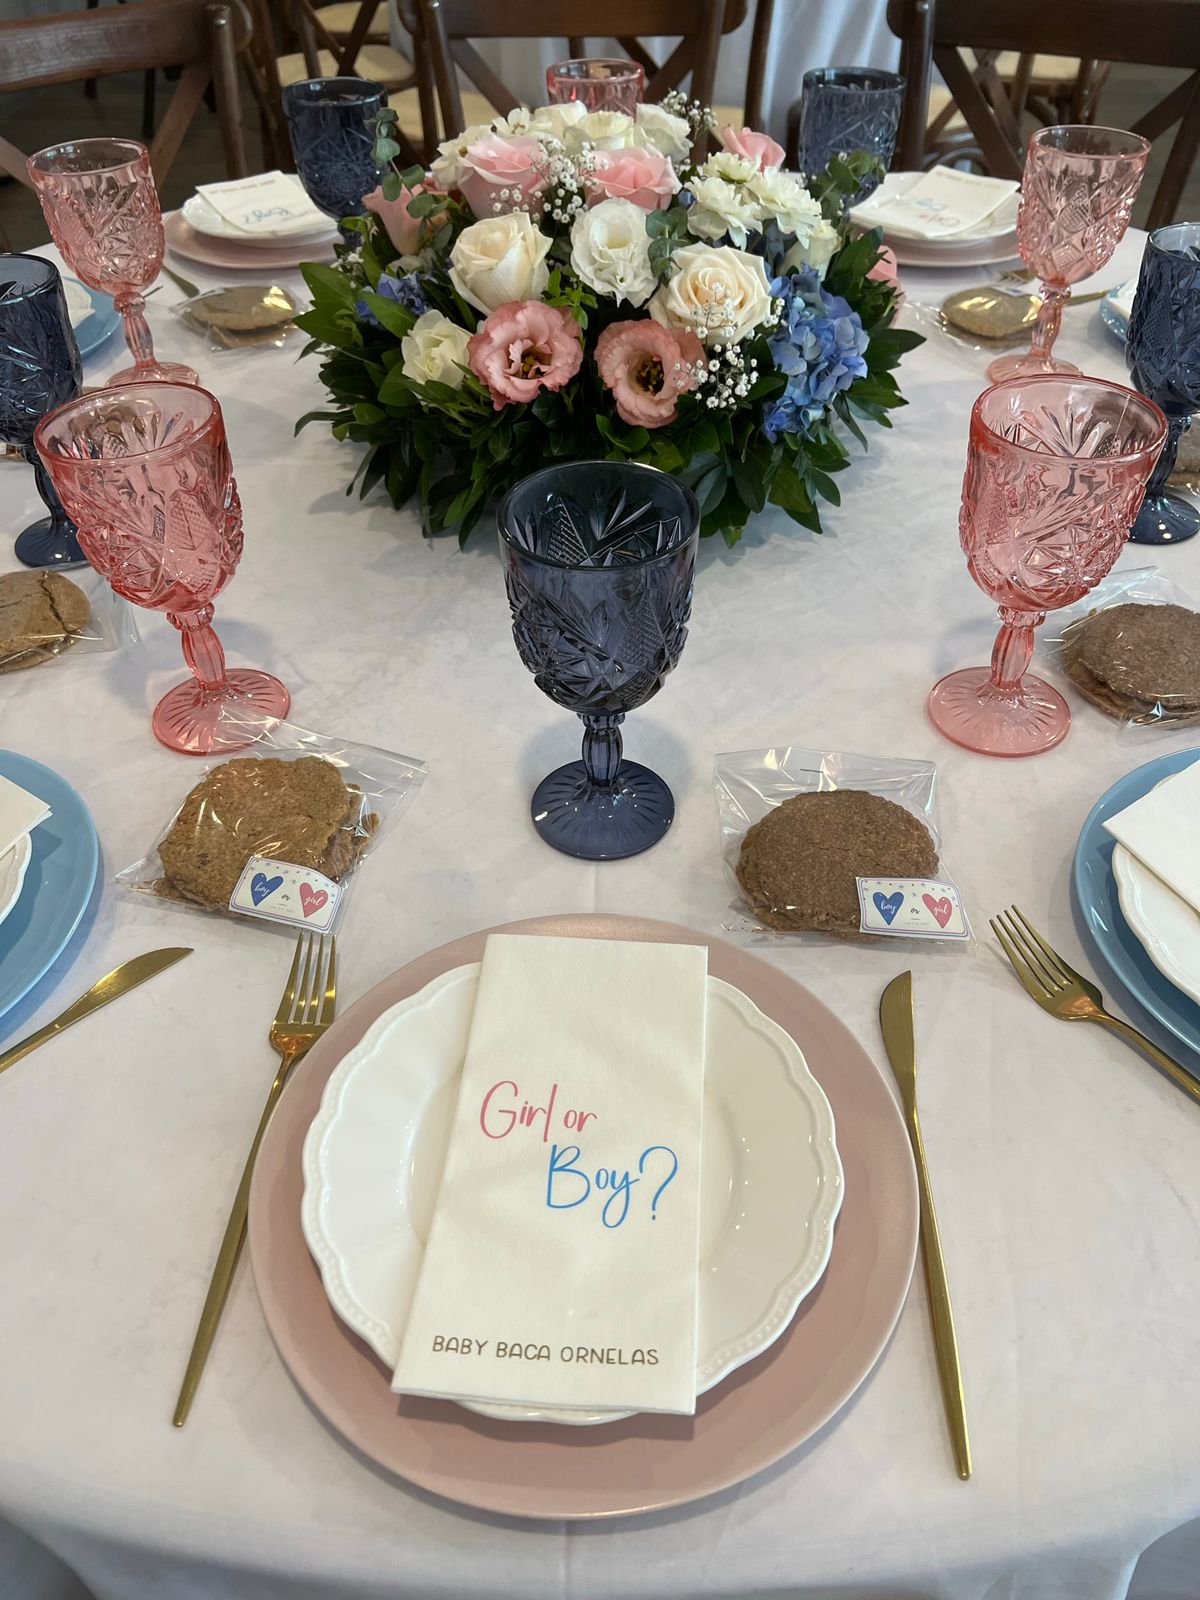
x,y
565,284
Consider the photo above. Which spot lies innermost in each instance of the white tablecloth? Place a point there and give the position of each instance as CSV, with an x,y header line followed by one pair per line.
x,y
1065,1167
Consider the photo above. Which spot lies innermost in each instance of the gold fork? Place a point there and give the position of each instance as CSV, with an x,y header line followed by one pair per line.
x,y
1069,996
302,1018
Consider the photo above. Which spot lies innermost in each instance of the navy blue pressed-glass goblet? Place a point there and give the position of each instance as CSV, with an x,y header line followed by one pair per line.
x,y
598,562
1163,351
844,109
39,370
333,140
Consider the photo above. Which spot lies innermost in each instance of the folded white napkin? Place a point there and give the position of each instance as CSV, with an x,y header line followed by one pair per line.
x,y
268,204
942,204
561,1264
20,813
1122,297
1160,830
79,303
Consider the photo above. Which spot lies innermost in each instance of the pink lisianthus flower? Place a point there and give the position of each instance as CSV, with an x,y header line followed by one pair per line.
x,y
524,347
640,174
647,367
500,175
403,229
757,147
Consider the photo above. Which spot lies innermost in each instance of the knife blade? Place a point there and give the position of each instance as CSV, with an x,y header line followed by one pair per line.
x,y
110,987
896,1022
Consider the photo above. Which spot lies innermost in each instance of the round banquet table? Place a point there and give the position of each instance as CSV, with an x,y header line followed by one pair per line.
x,y
1064,1166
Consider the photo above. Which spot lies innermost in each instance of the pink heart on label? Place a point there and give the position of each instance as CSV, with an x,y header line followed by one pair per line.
x,y
313,899
941,910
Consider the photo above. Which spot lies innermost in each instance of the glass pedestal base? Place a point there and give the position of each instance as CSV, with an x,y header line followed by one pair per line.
x,y
155,372
602,822
42,544
966,707
1027,365
188,717
1165,519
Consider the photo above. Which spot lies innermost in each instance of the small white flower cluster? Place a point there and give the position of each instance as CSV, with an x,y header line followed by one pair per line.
x,y
726,378
351,265
695,114
566,180
732,196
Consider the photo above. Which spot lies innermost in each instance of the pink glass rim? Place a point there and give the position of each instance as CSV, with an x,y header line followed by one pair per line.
x,y
1046,379
207,421
624,70
46,163
1044,139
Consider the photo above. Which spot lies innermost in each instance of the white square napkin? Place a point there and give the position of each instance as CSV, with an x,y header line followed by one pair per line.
x,y
1160,829
20,813
942,204
561,1264
269,203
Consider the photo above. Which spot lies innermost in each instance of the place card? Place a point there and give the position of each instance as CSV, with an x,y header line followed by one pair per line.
x,y
20,813
912,908
561,1268
268,203
280,891
940,204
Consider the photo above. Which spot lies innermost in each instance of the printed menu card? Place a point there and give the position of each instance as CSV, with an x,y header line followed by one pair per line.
x,y
561,1267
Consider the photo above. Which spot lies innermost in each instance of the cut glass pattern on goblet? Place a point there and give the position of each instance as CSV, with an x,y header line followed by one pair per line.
x,y
845,109
330,124
600,83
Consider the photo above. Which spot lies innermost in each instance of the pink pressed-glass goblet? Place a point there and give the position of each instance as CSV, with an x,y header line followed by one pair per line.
x,y
1056,470
102,210
1077,191
145,472
600,83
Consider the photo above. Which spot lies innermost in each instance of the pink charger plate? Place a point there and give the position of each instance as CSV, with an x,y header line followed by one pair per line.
x,y
184,241
760,1413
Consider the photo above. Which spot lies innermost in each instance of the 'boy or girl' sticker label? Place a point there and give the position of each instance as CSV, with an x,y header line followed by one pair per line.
x,y
912,908
277,891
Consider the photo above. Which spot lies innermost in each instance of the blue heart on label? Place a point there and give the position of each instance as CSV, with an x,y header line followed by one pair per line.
x,y
261,886
887,905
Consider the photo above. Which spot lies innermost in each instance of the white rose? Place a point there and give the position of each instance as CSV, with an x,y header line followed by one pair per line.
x,y
721,295
736,169
784,197
601,130
610,251
500,259
448,166
722,208
553,121
817,252
435,351
670,135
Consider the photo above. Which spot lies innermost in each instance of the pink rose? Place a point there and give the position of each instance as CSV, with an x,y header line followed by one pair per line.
x,y
885,271
757,147
647,367
524,347
494,164
644,176
403,229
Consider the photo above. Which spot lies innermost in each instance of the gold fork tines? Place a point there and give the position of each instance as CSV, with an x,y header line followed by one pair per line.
x,y
1068,995
305,1011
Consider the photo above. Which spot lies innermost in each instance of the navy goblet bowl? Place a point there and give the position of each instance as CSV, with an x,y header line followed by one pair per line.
x,y
1163,351
333,140
844,109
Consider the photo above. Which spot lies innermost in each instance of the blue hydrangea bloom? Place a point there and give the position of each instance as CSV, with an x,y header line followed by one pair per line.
x,y
819,345
406,291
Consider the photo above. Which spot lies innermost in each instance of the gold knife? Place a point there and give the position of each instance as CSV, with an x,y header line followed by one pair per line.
x,y
111,987
896,1020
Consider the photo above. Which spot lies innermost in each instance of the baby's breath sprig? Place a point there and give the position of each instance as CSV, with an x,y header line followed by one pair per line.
x,y
698,117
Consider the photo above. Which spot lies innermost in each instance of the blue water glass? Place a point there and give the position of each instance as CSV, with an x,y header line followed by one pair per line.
x,y
1163,351
844,109
39,370
598,562
333,141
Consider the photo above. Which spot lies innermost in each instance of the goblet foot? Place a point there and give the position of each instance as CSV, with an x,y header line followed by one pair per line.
x,y
154,372
968,708
602,822
188,717
48,544
1165,519
1028,365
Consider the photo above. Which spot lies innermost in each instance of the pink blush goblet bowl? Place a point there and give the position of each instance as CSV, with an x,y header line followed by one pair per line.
x,y
1056,471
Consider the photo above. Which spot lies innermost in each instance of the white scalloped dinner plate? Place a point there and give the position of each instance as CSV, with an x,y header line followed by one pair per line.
x,y
204,217
13,866
771,1181
1164,924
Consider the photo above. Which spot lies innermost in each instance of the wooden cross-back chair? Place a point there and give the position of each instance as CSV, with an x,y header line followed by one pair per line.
x,y
200,36
1153,33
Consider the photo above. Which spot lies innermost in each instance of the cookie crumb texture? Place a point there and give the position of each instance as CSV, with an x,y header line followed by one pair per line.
x,y
1138,662
41,615
297,811
798,865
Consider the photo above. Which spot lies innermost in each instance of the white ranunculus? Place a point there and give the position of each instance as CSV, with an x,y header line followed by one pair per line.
x,y
553,121
435,351
721,295
670,135
601,130
784,198
816,252
448,165
500,259
735,169
722,208
610,251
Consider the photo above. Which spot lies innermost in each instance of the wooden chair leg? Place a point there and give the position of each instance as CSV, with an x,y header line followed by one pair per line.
x,y
1179,164
225,80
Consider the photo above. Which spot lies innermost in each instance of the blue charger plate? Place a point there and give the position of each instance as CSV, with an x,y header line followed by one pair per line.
x,y
58,882
1114,944
105,319
1113,318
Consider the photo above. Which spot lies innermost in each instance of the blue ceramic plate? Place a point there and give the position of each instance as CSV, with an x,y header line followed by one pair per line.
x,y
1112,315
1112,938
105,319
58,884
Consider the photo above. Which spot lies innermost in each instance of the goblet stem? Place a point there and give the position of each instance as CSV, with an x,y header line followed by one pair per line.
x,y
61,525
602,748
137,329
1049,320
202,649
1013,649
1165,465
52,541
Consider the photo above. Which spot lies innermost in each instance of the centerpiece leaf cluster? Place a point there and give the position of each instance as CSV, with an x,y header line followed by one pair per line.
x,y
572,285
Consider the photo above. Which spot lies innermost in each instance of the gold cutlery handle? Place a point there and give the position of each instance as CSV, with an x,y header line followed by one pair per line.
x,y
944,1337
227,1258
19,1051
1178,1076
